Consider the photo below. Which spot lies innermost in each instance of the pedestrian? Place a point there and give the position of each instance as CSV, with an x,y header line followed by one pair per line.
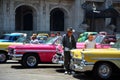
x,y
68,44
90,42
34,39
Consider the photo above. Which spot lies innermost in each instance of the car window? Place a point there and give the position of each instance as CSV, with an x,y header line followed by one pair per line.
x,y
51,40
105,41
99,39
58,41
6,37
21,39
15,38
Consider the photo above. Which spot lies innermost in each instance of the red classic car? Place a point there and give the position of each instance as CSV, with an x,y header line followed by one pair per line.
x,y
30,55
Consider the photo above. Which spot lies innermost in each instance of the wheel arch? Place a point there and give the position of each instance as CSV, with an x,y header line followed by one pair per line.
x,y
6,53
109,62
32,53
3,51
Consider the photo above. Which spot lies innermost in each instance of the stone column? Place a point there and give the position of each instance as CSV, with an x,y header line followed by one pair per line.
x,y
107,20
1,14
7,15
44,16
107,4
79,15
12,16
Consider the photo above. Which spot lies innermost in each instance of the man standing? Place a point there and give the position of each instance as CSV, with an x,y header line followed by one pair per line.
x,y
68,44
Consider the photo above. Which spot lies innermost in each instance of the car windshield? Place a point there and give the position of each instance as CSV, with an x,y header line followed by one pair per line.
x,y
6,37
99,39
117,44
42,37
21,39
51,40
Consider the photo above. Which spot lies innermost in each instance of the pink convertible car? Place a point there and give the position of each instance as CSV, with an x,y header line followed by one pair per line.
x,y
29,55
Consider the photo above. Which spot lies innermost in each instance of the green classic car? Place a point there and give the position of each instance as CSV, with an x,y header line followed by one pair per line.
x,y
4,56
103,62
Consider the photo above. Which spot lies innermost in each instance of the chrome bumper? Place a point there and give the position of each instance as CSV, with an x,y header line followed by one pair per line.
x,y
81,65
16,57
58,62
78,68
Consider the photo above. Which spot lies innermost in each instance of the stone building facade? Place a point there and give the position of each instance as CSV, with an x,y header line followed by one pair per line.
x,y
57,15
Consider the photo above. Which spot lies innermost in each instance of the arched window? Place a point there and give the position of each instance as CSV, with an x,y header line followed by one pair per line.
x,y
57,20
24,18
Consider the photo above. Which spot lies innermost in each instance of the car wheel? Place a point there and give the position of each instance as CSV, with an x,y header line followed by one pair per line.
x,y
3,57
103,71
30,61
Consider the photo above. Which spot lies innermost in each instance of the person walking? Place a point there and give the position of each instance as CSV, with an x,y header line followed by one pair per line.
x,y
68,44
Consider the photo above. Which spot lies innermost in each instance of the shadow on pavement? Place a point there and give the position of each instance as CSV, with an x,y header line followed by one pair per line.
x,y
89,76
82,76
10,63
61,70
40,66
86,75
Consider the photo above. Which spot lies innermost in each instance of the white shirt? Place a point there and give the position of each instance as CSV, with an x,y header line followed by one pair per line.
x,y
34,41
90,44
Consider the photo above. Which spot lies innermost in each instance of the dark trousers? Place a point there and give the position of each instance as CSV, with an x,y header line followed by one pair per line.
x,y
67,58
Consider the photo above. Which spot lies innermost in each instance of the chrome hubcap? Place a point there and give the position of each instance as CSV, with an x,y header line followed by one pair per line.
x,y
2,57
31,61
104,71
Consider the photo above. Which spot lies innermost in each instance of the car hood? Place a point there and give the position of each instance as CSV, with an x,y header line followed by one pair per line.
x,y
6,44
32,46
109,50
77,53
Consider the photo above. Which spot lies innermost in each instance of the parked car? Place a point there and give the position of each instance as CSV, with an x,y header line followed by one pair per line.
x,y
12,37
103,62
4,48
42,37
30,55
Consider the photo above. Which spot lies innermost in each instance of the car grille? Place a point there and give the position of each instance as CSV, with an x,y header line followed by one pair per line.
x,y
77,61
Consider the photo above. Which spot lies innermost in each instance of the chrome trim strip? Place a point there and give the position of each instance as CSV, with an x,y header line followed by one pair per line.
x,y
35,50
3,48
17,56
106,58
89,63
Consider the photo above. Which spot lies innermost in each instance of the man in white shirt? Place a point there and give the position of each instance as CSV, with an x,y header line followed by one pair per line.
x,y
34,39
90,43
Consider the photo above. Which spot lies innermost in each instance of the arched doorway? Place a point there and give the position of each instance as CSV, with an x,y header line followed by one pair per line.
x,y
24,18
57,20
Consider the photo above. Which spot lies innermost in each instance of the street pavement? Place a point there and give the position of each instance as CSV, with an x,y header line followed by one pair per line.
x,y
14,71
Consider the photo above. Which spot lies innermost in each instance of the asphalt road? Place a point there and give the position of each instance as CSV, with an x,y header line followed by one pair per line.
x,y
14,71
